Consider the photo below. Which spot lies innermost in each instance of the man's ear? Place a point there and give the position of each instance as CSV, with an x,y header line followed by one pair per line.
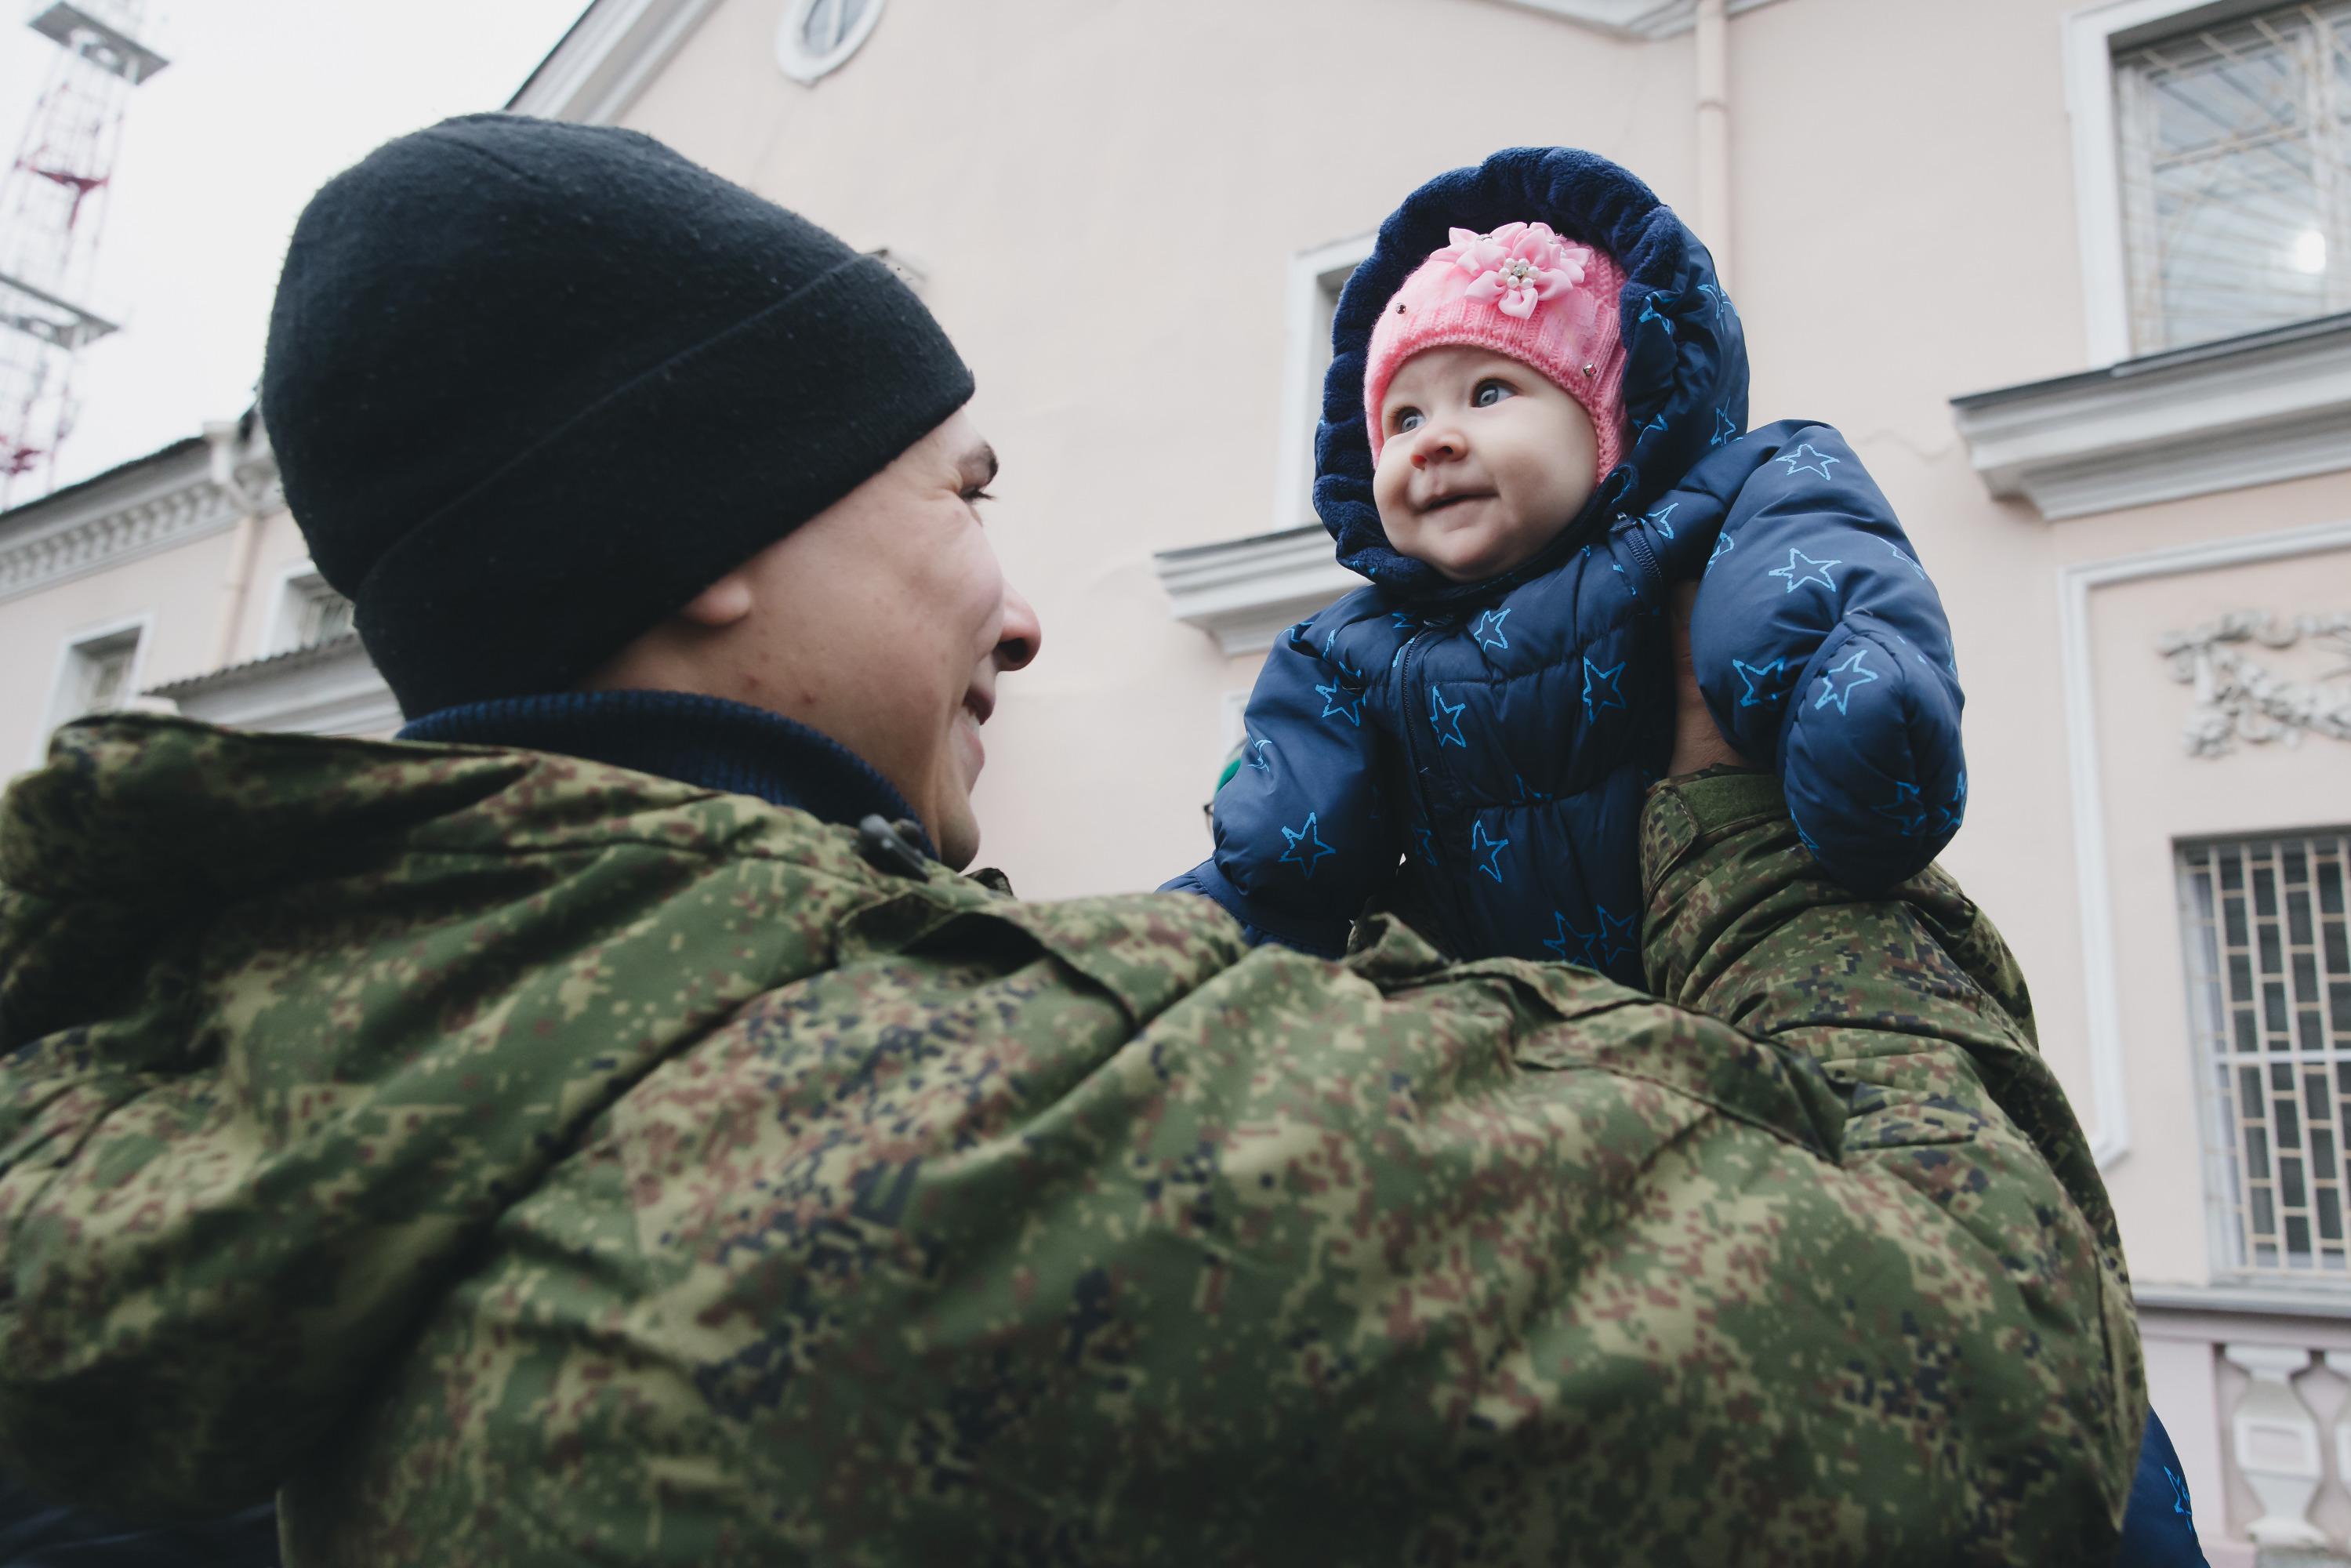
x,y
721,604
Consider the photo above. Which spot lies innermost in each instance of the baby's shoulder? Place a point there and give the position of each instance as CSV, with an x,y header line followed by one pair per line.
x,y
1366,624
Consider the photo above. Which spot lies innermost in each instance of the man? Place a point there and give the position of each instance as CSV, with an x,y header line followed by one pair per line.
x,y
615,1134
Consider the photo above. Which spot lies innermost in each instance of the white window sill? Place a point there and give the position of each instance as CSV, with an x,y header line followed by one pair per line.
x,y
1246,592
2246,411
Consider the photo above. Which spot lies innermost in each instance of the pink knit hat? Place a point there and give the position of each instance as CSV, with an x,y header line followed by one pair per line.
x,y
1521,291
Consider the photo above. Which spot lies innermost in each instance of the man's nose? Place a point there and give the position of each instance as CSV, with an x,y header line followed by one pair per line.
x,y
1023,634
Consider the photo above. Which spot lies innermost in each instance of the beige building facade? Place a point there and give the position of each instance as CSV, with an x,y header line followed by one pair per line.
x,y
2077,305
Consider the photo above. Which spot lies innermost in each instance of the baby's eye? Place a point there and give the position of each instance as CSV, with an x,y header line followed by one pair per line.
x,y
1488,393
1408,420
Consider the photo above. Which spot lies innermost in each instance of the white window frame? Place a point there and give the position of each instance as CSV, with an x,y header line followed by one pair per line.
x,y
297,585
794,57
64,706
1315,279
2227,1184
2092,40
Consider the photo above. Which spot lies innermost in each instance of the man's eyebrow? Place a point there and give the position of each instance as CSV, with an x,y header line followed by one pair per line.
x,y
980,466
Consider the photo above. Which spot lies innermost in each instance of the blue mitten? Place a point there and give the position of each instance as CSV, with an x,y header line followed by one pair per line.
x,y
1823,652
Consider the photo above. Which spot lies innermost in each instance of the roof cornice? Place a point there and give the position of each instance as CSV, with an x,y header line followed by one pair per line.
x,y
136,510
608,58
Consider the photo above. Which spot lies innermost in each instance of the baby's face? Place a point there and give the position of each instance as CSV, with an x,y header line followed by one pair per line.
x,y
1485,462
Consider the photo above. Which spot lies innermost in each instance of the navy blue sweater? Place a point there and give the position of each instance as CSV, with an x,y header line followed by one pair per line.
x,y
1488,744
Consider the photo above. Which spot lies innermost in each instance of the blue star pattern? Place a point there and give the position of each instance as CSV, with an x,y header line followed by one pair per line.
x,y
1906,560
1558,944
1855,673
1909,811
1611,696
2179,1492
1405,621
1948,815
1488,633
1805,460
1612,943
1811,568
1760,692
1660,518
1650,312
1257,756
1344,701
1657,423
1722,546
1427,846
1440,714
1723,429
1721,302
1597,950
1492,848
1308,839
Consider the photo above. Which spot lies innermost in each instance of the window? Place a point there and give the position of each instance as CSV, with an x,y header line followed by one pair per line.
x,y
817,36
99,673
1316,279
2234,146
2269,968
308,611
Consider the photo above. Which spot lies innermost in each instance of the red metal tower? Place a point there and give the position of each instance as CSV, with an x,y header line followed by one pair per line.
x,y
53,202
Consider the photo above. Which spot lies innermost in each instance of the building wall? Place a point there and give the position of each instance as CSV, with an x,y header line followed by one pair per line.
x,y
1109,245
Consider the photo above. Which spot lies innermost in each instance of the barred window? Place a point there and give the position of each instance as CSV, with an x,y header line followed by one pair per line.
x,y
2269,972
2235,150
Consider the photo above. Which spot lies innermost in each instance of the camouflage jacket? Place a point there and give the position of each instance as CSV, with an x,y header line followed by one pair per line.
x,y
511,1160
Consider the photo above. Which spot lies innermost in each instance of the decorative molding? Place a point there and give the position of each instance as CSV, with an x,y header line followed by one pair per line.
x,y
2237,699
154,504
608,59
1246,592
2247,411
1640,20
2110,1135
326,688
806,66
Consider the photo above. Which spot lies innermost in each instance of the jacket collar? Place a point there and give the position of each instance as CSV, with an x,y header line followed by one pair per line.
x,y
704,741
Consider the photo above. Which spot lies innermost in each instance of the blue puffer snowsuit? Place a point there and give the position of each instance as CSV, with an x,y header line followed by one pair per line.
x,y
1496,737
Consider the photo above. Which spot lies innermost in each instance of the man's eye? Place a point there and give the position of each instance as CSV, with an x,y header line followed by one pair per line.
x,y
976,494
1408,420
1489,393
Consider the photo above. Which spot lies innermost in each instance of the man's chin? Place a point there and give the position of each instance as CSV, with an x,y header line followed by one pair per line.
x,y
958,840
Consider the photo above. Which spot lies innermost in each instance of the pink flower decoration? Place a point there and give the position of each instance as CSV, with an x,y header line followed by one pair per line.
x,y
1534,265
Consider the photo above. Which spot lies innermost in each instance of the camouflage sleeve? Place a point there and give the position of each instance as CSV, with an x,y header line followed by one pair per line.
x,y
1913,1003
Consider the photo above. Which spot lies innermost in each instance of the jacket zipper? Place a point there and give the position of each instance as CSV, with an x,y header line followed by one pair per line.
x,y
1440,886
1653,576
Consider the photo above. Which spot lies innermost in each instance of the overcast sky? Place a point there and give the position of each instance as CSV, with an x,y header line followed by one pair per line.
x,y
264,101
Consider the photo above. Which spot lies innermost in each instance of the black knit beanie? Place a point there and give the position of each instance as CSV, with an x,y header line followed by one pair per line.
x,y
533,386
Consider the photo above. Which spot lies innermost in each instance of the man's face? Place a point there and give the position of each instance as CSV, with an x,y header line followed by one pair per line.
x,y
884,622
1485,461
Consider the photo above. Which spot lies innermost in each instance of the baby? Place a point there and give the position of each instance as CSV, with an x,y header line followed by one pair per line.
x,y
1534,422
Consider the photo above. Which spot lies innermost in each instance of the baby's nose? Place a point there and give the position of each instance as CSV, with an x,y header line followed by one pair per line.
x,y
1445,446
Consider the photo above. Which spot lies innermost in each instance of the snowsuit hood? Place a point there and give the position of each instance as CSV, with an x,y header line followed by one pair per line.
x,y
1685,390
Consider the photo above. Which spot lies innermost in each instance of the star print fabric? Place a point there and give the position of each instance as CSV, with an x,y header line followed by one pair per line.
x,y
1477,753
